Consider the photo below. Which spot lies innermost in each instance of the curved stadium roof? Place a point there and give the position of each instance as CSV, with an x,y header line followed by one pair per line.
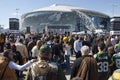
x,y
66,8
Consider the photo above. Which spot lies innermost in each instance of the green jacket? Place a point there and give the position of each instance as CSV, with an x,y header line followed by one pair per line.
x,y
75,67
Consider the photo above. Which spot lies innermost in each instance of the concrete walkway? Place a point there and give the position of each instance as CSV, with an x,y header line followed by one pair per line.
x,y
67,73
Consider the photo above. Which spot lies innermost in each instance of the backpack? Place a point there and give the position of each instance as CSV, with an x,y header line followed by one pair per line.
x,y
43,70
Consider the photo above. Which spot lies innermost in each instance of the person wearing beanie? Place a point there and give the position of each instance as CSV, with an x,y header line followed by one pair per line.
x,y
44,66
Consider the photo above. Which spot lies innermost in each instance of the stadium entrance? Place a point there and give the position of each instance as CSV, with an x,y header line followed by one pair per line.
x,y
58,29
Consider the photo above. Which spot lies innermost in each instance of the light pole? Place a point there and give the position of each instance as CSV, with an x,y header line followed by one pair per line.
x,y
17,9
114,6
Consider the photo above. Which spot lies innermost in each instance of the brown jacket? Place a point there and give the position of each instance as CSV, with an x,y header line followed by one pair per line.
x,y
9,74
88,69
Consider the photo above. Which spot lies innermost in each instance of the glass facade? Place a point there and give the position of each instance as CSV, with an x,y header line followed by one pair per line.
x,y
39,20
101,22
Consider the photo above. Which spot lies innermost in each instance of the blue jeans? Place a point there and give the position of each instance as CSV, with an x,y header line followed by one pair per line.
x,y
67,58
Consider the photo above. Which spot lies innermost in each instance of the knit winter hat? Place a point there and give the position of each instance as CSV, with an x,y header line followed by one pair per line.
x,y
45,49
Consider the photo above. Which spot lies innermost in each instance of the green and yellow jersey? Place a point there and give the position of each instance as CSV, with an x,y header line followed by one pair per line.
x,y
103,62
116,60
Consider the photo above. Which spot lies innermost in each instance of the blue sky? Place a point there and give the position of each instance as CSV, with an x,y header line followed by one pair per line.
x,y
8,7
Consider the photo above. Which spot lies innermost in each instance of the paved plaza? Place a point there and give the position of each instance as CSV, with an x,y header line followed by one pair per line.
x,y
67,73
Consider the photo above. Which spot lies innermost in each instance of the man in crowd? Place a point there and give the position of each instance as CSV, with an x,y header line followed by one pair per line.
x,y
44,68
77,47
36,49
85,67
103,62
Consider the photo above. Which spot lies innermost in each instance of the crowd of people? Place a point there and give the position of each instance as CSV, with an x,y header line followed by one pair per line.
x,y
97,56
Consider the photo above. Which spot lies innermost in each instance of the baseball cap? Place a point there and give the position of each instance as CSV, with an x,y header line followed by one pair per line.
x,y
45,49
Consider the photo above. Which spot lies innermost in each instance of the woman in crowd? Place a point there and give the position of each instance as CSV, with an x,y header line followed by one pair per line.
x,y
8,66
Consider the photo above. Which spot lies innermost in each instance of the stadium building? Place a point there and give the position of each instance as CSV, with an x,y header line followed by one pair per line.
x,y
62,18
